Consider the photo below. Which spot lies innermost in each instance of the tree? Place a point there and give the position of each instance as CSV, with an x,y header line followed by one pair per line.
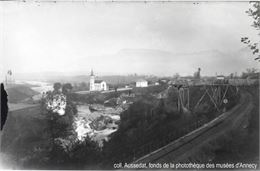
x,y
66,88
85,155
250,72
61,148
255,14
57,87
59,128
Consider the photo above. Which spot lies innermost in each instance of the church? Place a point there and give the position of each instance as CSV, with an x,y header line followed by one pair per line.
x,y
96,85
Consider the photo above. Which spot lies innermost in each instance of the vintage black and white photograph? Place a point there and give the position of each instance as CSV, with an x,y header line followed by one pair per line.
x,y
122,85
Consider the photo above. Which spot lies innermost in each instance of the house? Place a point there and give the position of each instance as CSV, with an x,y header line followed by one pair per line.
x,y
220,77
141,83
97,85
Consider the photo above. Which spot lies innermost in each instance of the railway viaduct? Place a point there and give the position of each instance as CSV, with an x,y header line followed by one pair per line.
x,y
184,147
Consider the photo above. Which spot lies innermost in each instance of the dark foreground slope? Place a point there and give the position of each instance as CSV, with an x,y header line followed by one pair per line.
x,y
243,145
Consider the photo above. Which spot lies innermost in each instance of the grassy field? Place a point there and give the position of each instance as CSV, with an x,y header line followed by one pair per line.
x,y
22,133
19,92
19,106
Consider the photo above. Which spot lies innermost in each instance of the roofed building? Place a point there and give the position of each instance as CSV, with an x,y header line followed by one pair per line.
x,y
220,77
97,85
141,83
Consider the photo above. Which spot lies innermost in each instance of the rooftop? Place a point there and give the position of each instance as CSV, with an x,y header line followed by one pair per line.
x,y
98,81
141,80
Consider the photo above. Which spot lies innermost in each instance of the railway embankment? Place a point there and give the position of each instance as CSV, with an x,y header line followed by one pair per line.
x,y
185,147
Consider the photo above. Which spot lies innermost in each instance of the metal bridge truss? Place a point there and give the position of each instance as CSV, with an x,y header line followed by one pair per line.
x,y
217,94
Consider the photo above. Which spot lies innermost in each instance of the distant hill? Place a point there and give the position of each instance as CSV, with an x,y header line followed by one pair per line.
x,y
19,92
166,63
152,62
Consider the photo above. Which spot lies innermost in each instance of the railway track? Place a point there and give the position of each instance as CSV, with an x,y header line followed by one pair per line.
x,y
183,147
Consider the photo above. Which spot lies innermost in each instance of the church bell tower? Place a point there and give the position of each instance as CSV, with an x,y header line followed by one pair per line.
x,y
92,81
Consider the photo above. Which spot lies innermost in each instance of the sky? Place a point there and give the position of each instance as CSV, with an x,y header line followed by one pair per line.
x,y
124,38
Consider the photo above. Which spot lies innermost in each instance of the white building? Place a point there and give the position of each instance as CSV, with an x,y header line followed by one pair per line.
x,y
220,77
141,83
96,85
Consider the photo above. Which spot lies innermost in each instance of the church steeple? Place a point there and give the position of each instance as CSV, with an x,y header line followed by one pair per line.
x,y
92,81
